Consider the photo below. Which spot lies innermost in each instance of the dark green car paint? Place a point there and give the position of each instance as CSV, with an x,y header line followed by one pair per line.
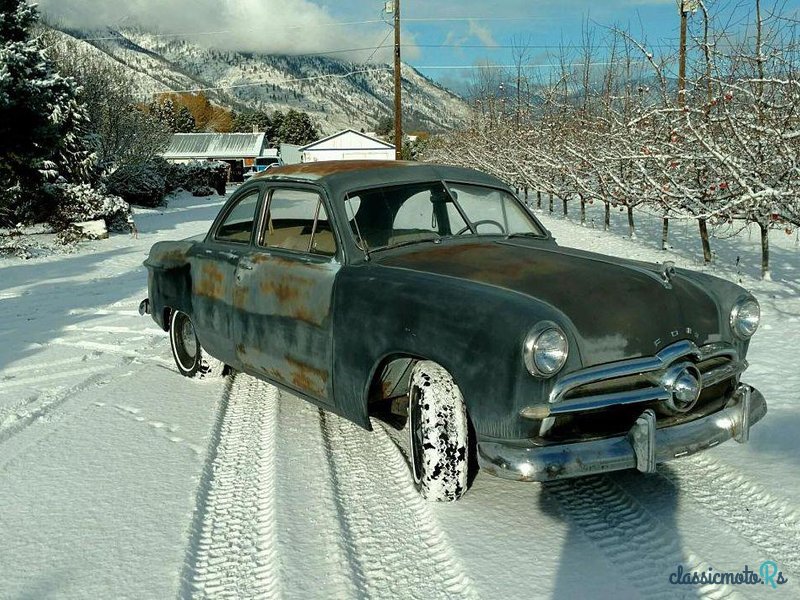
x,y
326,328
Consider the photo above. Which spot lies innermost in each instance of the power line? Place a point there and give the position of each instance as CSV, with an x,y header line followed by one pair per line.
x,y
379,46
533,46
439,19
531,65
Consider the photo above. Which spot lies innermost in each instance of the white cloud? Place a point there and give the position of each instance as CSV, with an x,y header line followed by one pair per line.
x,y
270,26
481,32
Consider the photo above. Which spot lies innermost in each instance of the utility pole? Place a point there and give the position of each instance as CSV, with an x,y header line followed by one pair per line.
x,y
682,56
398,96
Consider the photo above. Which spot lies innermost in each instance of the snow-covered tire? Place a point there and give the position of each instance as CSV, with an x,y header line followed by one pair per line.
x,y
190,358
439,434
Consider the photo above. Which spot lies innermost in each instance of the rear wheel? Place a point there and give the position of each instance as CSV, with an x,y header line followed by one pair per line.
x,y
439,434
189,356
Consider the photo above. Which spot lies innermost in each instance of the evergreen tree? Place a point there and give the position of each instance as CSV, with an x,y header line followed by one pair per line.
x,y
295,128
184,121
247,120
175,117
41,122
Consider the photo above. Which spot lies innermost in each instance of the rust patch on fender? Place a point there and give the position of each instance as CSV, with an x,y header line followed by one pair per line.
x,y
211,281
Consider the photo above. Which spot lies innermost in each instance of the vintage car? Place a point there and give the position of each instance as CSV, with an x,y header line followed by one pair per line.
x,y
431,298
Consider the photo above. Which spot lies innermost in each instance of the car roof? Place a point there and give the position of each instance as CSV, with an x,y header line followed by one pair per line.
x,y
341,176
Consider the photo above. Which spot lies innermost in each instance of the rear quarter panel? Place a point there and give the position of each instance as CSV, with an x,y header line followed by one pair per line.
x,y
168,278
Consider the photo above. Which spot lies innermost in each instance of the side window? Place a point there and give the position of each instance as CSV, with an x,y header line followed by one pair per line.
x,y
238,225
297,220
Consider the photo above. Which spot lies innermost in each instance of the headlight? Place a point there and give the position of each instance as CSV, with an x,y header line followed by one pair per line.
x,y
545,350
745,317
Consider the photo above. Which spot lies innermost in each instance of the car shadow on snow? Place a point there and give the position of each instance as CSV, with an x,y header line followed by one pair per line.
x,y
635,533
42,311
39,299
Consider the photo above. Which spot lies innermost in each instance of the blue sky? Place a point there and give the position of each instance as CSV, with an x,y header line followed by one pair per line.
x,y
544,25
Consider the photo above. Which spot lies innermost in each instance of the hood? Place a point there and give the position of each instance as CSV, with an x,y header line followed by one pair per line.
x,y
618,309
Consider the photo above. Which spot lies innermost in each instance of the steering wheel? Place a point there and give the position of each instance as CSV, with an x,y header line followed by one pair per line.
x,y
482,222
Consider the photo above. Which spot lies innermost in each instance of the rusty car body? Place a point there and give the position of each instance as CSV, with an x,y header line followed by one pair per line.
x,y
653,355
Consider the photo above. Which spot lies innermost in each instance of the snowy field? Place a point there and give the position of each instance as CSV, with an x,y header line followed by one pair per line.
x,y
121,479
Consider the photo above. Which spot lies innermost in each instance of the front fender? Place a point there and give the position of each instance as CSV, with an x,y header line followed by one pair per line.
x,y
475,331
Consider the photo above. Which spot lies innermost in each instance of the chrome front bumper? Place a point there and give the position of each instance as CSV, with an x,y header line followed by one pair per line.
x,y
642,448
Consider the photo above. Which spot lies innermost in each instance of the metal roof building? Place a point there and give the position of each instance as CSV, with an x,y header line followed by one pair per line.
x,y
215,146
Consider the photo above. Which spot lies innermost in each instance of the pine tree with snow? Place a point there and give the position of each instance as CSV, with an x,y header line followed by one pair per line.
x,y
41,122
295,127
184,121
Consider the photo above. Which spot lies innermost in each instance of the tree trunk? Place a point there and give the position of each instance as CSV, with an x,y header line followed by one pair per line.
x,y
607,220
664,233
583,211
765,274
551,203
565,206
631,226
704,238
539,200
526,195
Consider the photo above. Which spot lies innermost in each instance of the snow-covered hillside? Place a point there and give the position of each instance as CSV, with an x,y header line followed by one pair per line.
x,y
335,99
120,478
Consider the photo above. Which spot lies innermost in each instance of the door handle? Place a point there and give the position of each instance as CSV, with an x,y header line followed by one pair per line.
x,y
246,266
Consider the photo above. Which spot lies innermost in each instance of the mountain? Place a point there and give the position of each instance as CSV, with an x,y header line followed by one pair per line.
x,y
337,94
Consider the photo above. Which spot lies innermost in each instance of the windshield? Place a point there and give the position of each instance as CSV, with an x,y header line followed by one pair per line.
x,y
400,215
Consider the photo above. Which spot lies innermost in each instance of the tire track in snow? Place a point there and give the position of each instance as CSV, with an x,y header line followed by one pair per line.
x,y
232,549
312,537
43,405
395,544
630,537
767,522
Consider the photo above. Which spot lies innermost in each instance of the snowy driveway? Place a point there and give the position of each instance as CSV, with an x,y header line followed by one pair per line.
x,y
121,479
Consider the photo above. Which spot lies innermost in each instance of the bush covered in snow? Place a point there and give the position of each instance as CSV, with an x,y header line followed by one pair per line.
x,y
14,244
79,203
142,185
197,177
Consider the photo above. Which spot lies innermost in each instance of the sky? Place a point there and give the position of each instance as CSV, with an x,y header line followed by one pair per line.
x,y
443,39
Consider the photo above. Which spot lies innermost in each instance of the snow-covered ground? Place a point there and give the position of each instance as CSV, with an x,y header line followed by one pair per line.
x,y
121,479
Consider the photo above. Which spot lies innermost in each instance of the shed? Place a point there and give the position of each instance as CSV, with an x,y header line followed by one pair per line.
x,y
290,154
347,145
240,150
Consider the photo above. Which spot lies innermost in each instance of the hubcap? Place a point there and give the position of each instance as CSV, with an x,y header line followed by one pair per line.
x,y
188,338
187,347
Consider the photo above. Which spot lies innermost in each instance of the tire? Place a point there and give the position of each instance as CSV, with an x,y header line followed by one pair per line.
x,y
439,434
190,358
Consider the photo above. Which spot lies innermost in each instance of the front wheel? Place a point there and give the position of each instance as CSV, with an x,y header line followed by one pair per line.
x,y
189,356
439,430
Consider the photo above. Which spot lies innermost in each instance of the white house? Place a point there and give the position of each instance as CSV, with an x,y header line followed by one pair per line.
x,y
347,145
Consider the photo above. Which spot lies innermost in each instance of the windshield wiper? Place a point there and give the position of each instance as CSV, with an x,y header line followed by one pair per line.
x,y
522,234
401,244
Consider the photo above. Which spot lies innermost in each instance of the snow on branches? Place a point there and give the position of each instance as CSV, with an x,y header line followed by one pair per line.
x,y
726,148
